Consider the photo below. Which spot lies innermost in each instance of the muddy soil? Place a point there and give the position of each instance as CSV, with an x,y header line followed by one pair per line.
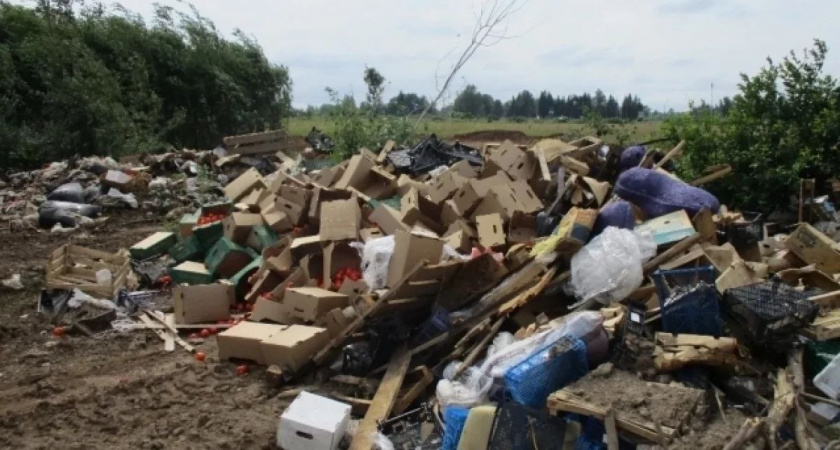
x,y
116,390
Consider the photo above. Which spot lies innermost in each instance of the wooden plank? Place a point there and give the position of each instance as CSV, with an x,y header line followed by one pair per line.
x,y
827,300
674,152
558,403
150,324
672,252
267,147
416,389
383,401
479,348
169,343
115,259
720,173
251,138
186,345
612,432
546,174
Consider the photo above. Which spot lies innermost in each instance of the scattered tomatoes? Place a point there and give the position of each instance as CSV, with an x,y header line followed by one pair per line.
x,y
242,370
210,218
214,330
200,356
59,331
205,333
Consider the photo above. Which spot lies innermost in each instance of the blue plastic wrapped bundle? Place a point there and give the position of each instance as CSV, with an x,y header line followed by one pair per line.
x,y
454,418
552,368
632,156
617,214
658,194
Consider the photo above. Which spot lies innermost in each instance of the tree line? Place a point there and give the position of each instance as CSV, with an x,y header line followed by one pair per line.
x,y
89,81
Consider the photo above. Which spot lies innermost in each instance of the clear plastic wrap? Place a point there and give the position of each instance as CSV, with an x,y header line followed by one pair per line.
x,y
609,268
376,255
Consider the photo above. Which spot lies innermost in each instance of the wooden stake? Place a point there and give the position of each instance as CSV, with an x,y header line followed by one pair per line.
x,y
383,401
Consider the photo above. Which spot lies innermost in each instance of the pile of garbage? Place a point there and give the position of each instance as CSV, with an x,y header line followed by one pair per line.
x,y
562,295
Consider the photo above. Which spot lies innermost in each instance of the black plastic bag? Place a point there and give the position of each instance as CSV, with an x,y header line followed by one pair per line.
x,y
65,213
69,192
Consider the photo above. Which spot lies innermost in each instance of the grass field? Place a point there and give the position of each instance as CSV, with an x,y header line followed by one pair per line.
x,y
620,134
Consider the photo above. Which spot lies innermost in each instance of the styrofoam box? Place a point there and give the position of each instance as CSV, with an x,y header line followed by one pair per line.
x,y
312,422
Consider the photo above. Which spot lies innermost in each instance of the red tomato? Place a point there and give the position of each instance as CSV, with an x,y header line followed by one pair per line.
x,y
214,330
242,370
249,307
205,333
200,356
59,331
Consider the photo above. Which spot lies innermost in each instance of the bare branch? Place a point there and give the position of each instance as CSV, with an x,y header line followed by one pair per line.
x,y
491,14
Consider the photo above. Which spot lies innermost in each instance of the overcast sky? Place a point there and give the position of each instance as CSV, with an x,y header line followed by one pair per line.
x,y
667,52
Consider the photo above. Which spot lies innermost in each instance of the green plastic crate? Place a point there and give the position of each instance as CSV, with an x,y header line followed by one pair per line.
x,y
817,355
190,272
208,235
226,258
240,280
261,237
186,250
154,245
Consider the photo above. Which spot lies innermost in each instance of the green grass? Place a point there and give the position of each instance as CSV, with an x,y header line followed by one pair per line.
x,y
620,133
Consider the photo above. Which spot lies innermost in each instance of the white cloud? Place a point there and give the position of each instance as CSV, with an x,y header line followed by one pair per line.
x,y
666,51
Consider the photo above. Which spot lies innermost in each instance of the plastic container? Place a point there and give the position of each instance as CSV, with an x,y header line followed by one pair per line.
x,y
689,301
552,368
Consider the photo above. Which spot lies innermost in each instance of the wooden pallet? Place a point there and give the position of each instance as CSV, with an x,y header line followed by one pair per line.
x,y
73,267
255,143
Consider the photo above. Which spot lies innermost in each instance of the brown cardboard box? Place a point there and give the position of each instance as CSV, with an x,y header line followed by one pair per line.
x,y
277,220
273,311
500,200
460,235
405,183
467,197
388,219
118,180
445,186
334,321
244,341
244,184
296,213
321,196
357,173
253,199
280,179
203,303
418,209
491,230
815,247
237,226
306,245
528,201
295,194
450,213
266,282
310,303
328,176
512,160
340,219
409,249
292,347
464,169
367,234
338,255
522,228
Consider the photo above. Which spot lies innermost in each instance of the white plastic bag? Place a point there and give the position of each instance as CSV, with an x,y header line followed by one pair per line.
x,y
609,268
376,254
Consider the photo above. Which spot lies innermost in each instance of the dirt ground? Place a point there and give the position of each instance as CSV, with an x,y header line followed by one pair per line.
x,y
115,391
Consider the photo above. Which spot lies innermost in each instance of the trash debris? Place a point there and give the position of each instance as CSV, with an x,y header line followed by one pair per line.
x,y
442,296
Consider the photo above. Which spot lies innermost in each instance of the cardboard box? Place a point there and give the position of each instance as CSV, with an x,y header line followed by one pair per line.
x,y
460,235
499,200
312,422
418,209
244,184
266,282
307,245
241,280
570,235
445,186
118,180
814,247
204,303
410,249
208,235
450,213
340,219
669,228
293,347
321,196
191,272
154,245
273,311
528,200
296,194
244,341
405,183
226,258
237,226
277,220
388,219
328,176
491,230
338,255
464,168
367,234
522,228
253,199
310,303
512,160
356,174
296,213
334,321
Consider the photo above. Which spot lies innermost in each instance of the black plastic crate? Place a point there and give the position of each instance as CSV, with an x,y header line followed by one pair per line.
x,y
688,300
518,427
768,315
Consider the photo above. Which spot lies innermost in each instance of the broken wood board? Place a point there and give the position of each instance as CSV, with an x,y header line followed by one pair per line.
x,y
639,405
737,275
677,351
410,395
825,327
716,173
153,316
383,401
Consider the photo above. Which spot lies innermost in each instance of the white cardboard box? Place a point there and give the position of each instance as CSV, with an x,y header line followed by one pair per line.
x,y
312,422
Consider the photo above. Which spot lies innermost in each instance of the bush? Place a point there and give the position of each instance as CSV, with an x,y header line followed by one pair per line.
x,y
356,128
783,125
88,82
